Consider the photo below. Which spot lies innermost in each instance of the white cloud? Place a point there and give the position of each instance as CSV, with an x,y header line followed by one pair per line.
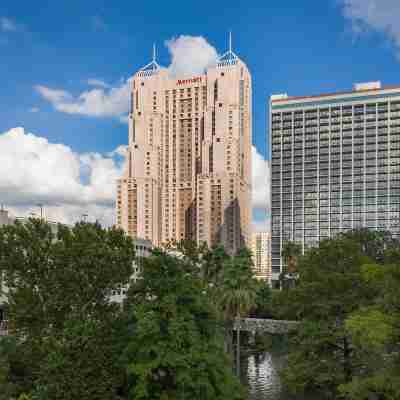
x,y
55,96
119,151
69,184
98,102
261,192
261,225
377,15
261,180
34,109
98,82
190,55
8,25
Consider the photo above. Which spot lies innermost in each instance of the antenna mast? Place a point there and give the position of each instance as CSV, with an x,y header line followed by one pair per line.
x,y
228,58
152,66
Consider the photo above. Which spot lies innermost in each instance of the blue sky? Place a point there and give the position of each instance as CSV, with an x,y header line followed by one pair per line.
x,y
303,48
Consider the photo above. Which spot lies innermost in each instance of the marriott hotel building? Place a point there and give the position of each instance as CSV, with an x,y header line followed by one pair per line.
x,y
335,165
188,169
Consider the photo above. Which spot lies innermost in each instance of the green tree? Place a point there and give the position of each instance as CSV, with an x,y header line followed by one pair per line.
x,y
291,251
58,304
330,289
376,331
263,301
374,244
176,351
238,293
213,265
82,361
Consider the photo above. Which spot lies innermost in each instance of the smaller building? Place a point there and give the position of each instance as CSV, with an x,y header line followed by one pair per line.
x,y
142,249
261,250
5,219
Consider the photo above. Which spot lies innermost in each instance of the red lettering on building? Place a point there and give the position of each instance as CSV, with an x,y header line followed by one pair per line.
x,y
190,80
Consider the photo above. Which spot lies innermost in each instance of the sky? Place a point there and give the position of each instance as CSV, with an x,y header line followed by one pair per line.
x,y
65,65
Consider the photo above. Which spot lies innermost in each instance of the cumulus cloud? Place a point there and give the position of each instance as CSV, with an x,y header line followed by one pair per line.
x,y
8,25
67,183
34,109
261,192
260,182
190,55
377,15
119,151
98,102
98,82
70,184
262,225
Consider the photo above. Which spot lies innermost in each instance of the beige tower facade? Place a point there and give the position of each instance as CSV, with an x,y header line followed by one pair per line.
x,y
261,250
188,170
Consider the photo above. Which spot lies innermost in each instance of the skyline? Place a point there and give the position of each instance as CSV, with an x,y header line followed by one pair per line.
x,y
57,85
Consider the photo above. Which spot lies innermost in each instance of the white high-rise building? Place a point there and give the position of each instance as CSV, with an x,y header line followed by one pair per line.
x,y
335,162
261,251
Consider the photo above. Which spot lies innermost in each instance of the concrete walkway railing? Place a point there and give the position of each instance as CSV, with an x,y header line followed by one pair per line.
x,y
265,325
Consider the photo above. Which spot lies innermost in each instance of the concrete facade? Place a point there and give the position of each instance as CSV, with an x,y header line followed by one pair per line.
x,y
335,161
188,170
142,249
261,251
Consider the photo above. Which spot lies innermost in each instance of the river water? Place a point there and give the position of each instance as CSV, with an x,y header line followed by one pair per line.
x,y
260,372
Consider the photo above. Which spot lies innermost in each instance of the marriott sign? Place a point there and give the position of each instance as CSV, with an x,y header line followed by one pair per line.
x,y
190,80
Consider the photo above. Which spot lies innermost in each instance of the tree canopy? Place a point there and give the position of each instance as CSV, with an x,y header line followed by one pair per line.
x,y
70,341
347,306
177,350
58,308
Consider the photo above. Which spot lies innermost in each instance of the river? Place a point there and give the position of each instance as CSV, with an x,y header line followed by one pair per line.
x,y
260,372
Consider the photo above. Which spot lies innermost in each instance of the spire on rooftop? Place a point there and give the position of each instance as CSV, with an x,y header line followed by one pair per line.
x,y
153,65
229,56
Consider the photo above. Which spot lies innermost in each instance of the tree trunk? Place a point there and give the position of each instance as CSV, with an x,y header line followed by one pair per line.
x,y
238,347
228,345
347,360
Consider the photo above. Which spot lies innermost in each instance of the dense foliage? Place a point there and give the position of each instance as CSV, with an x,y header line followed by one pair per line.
x,y
63,343
347,302
177,349
69,341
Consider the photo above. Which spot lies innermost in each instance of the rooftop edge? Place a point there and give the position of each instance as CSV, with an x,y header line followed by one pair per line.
x,y
277,99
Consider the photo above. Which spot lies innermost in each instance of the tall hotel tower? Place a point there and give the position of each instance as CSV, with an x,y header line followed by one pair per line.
x,y
335,165
188,170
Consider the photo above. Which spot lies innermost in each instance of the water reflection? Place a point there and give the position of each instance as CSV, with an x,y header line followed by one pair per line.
x,y
260,371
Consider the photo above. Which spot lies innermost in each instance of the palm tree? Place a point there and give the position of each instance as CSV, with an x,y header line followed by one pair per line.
x,y
238,293
213,262
290,253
